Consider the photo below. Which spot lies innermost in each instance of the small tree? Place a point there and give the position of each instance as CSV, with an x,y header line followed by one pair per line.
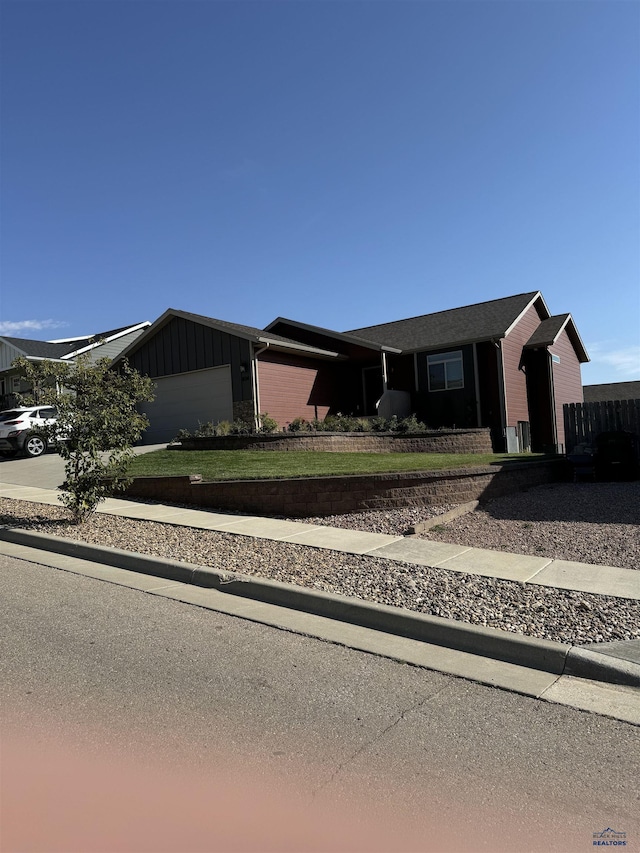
x,y
96,427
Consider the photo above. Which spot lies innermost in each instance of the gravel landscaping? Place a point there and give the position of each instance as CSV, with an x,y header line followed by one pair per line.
x,y
585,522
588,522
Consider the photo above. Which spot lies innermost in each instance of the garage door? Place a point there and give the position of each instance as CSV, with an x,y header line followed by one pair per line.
x,y
186,400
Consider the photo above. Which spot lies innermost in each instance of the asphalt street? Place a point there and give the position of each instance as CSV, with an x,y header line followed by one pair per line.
x,y
225,734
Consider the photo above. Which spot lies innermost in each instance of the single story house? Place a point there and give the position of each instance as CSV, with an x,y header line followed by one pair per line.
x,y
100,345
507,364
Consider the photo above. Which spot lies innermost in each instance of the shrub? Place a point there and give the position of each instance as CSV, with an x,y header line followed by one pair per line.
x,y
332,423
240,427
345,423
267,424
410,425
299,425
223,428
379,424
206,429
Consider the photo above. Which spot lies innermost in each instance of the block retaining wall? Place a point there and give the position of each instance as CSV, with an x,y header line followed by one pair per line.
x,y
321,496
442,441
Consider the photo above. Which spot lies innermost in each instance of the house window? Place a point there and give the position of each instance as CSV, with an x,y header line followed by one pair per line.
x,y
445,371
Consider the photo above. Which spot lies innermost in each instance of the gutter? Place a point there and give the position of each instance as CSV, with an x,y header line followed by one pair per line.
x,y
45,358
269,342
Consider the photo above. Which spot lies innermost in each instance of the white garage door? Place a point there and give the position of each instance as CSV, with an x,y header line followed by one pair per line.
x,y
186,400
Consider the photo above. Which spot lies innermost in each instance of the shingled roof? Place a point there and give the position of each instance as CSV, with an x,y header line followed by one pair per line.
x,y
345,343
40,349
250,333
64,348
548,331
85,341
612,391
484,321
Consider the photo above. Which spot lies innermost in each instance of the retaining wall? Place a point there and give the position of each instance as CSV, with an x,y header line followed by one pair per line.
x,y
321,496
440,441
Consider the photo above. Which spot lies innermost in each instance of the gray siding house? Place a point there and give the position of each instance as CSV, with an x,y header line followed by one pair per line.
x,y
100,345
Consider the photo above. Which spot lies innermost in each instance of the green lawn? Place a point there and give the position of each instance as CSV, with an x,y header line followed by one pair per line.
x,y
246,465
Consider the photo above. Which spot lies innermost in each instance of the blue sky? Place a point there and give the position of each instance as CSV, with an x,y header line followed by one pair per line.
x,y
339,163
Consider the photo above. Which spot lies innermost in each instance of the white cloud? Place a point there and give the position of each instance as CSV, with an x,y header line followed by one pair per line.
x,y
16,327
625,362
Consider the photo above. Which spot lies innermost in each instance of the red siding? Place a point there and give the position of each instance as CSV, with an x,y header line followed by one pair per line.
x,y
291,388
515,380
567,381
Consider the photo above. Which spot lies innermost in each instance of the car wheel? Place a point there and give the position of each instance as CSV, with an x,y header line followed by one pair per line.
x,y
35,445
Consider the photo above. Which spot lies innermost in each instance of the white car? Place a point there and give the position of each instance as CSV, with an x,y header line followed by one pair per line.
x,y
21,430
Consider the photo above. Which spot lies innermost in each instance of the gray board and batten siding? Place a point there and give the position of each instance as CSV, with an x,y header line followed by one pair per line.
x,y
182,346
201,374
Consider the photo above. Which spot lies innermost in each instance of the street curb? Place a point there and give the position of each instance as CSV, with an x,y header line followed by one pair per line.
x,y
582,662
531,652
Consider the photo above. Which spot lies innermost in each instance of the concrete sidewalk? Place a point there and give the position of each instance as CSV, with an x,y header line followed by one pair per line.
x,y
562,574
426,641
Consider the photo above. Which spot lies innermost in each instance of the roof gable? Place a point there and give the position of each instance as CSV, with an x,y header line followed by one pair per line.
x,y
316,335
84,339
84,344
249,333
483,321
550,330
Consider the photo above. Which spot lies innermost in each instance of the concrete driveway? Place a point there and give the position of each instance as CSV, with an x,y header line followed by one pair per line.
x,y
46,471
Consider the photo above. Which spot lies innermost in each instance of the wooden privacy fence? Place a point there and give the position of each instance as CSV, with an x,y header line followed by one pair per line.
x,y
584,421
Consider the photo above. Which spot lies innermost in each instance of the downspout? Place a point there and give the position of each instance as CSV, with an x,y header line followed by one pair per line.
x,y
255,385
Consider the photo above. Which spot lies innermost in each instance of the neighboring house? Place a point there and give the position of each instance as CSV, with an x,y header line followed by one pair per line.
x,y
102,345
506,364
611,391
